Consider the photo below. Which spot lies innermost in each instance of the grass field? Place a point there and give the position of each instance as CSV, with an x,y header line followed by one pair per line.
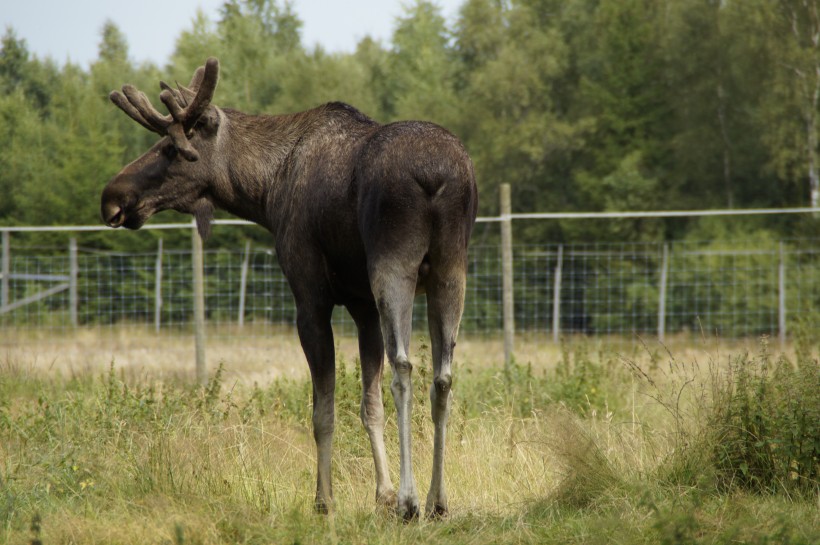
x,y
595,441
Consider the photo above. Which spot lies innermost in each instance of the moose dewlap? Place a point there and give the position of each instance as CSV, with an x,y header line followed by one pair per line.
x,y
363,215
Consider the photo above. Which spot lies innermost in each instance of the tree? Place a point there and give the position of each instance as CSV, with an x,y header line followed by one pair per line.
x,y
13,60
201,38
480,32
792,29
701,96
512,123
17,118
113,48
420,71
258,40
621,82
374,62
19,71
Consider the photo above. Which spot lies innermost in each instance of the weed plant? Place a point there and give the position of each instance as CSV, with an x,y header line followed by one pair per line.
x,y
767,425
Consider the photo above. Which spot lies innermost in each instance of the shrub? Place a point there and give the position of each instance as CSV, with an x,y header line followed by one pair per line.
x,y
767,424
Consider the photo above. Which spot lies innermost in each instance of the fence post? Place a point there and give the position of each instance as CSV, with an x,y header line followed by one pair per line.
x,y
6,270
781,299
199,305
243,284
662,294
158,287
556,296
73,300
508,303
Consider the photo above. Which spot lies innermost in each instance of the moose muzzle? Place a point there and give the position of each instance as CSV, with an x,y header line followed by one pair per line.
x,y
118,205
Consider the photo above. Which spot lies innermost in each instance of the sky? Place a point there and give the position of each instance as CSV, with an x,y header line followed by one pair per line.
x,y
70,30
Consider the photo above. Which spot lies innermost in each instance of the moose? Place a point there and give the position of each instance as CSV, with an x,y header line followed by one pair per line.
x,y
363,215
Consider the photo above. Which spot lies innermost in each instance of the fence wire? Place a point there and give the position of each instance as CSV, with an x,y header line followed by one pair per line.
x,y
731,290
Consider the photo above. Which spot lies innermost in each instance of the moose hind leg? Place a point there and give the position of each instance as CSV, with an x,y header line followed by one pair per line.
x,y
445,303
394,287
371,352
316,337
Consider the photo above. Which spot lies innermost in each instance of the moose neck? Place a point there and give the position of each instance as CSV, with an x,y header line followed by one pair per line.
x,y
255,149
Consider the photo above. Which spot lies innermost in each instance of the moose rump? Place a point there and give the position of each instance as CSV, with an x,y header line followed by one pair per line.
x,y
363,215
412,204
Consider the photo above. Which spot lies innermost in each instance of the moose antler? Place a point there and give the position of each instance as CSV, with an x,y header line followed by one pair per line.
x,y
186,106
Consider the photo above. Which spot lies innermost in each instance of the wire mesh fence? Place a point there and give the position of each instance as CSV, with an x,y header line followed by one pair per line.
x,y
730,289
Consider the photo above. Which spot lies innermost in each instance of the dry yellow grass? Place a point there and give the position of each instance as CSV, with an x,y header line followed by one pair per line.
x,y
260,354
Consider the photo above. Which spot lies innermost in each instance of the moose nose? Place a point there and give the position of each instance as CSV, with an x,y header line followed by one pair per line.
x,y
112,215
117,200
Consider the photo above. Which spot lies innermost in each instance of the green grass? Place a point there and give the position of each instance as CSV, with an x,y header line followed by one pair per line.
x,y
598,447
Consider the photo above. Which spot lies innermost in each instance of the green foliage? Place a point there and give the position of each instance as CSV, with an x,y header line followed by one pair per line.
x,y
750,427
620,79
420,70
627,187
768,436
113,47
581,105
724,287
581,382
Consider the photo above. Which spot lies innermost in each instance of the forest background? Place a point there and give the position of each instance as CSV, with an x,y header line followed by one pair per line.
x,y
581,105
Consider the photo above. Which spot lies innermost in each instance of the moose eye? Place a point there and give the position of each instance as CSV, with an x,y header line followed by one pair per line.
x,y
170,152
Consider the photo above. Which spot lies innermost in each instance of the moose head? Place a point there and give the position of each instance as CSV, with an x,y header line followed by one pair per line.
x,y
174,173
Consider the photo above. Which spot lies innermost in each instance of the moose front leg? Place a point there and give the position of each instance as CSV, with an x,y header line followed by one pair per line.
x,y
316,337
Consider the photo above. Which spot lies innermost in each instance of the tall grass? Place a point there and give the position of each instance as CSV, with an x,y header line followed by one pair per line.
x,y
600,446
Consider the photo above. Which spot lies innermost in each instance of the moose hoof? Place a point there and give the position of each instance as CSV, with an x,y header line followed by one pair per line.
x,y
387,499
408,509
321,506
437,512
